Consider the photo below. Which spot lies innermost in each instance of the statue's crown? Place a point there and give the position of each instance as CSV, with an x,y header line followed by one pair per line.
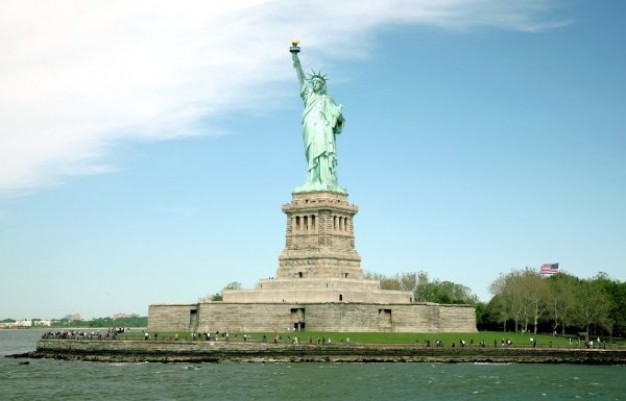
x,y
317,75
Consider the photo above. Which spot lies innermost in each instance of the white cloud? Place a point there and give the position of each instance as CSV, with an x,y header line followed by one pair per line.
x,y
78,76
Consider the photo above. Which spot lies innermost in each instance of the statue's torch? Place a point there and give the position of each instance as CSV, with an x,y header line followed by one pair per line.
x,y
294,49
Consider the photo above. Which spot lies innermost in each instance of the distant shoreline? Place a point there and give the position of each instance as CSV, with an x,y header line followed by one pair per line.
x,y
217,352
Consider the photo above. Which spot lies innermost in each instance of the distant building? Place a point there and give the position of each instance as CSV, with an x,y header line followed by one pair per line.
x,y
16,324
122,315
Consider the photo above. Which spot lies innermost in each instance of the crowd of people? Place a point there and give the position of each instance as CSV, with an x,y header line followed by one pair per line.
x,y
110,333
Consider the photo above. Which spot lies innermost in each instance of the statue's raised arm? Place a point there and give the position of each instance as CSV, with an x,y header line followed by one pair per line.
x,y
322,121
294,49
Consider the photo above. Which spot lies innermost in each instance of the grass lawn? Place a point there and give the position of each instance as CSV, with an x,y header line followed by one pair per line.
x,y
489,337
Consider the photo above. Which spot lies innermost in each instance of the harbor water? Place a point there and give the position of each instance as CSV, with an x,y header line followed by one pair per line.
x,y
68,381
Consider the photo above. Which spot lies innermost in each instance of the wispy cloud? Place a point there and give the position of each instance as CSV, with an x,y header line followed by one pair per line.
x,y
77,76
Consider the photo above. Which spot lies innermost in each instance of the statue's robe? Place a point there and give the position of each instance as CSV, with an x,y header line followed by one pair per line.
x,y
322,120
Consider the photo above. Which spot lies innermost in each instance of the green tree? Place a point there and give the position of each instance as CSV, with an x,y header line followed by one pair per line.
x,y
617,293
408,281
538,294
521,296
443,292
499,307
386,283
219,296
563,300
481,308
561,306
425,290
233,285
593,305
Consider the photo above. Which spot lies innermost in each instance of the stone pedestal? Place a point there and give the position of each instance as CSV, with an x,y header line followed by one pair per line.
x,y
320,238
319,262
319,286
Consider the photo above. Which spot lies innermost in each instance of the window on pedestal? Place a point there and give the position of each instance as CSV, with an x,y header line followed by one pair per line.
x,y
341,223
384,316
297,318
193,317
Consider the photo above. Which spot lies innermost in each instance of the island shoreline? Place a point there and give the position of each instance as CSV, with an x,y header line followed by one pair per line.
x,y
255,352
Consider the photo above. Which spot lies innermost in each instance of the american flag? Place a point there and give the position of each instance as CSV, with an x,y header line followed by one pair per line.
x,y
548,269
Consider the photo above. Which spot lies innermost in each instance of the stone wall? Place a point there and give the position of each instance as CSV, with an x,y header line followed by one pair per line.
x,y
317,290
172,317
332,317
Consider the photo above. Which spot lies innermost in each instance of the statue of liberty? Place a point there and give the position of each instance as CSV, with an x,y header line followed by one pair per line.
x,y
322,121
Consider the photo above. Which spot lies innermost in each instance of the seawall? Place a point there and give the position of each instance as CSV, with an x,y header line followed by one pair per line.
x,y
201,351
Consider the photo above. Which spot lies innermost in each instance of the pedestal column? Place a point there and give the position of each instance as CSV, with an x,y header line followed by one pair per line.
x,y
319,239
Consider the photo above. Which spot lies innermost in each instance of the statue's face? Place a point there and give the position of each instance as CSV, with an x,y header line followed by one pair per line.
x,y
318,85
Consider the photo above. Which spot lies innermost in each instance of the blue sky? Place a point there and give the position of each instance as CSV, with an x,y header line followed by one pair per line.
x,y
145,151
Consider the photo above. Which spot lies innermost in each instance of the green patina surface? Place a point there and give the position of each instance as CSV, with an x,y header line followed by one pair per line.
x,y
322,121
